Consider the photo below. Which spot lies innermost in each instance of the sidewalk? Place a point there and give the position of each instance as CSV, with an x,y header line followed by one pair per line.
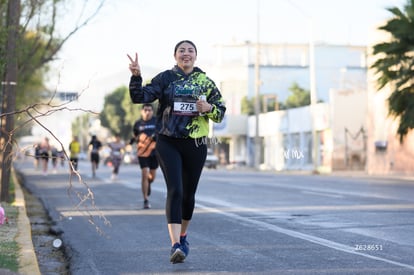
x,y
363,174
27,260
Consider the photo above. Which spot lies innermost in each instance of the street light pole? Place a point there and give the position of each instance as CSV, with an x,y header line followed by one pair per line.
x,y
313,97
257,152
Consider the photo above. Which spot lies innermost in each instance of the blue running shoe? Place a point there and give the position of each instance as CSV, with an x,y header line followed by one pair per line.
x,y
185,246
177,254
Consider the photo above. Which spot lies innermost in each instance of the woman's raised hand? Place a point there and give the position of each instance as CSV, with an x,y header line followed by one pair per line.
x,y
134,66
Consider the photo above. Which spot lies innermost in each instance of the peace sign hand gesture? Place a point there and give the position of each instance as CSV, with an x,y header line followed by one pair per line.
x,y
134,66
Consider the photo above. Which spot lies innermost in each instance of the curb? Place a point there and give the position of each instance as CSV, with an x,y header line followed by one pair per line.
x,y
27,257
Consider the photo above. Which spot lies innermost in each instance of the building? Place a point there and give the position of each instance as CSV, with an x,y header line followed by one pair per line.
x,y
56,123
385,154
286,136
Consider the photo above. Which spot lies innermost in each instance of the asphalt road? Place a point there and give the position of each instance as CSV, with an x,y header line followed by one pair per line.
x,y
245,222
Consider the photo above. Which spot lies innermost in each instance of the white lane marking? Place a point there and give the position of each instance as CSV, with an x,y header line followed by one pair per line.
x,y
323,194
284,183
361,194
298,235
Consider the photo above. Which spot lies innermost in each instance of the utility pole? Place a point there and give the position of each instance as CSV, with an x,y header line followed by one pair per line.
x,y
257,145
9,98
313,98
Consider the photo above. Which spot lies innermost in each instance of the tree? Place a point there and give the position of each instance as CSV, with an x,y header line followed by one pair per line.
x,y
132,113
299,97
29,40
116,115
80,127
8,97
266,104
119,113
38,42
112,115
247,106
395,66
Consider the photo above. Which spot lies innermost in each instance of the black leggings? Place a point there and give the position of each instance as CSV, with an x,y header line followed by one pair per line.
x,y
181,161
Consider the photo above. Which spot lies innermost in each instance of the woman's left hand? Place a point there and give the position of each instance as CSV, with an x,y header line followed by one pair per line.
x,y
203,106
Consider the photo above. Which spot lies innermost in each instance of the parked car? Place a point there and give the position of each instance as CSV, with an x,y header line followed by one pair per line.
x,y
211,160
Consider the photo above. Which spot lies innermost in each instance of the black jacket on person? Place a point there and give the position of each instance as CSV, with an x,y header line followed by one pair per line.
x,y
174,88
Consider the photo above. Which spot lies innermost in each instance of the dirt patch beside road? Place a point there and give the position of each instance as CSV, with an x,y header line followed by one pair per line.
x,y
50,260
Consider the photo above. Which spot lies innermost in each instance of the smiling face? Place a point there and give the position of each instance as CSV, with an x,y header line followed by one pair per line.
x,y
185,55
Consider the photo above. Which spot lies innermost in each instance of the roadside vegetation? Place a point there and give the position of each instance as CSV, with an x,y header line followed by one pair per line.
x,y
394,66
9,249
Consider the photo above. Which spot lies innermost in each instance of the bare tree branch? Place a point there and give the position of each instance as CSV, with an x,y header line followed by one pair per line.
x,y
85,199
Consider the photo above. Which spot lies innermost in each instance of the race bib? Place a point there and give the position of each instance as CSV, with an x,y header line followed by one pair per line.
x,y
185,101
185,108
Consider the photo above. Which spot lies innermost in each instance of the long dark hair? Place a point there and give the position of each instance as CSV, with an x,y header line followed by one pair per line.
x,y
185,41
